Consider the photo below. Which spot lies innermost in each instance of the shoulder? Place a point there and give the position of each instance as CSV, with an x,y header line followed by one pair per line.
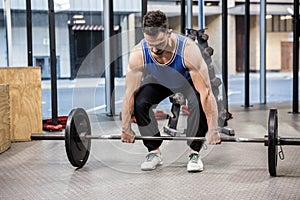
x,y
136,59
192,54
191,45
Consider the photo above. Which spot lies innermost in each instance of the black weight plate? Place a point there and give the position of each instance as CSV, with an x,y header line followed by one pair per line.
x,y
77,150
272,141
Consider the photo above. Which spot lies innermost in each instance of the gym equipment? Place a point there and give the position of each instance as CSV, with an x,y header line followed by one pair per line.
x,y
78,138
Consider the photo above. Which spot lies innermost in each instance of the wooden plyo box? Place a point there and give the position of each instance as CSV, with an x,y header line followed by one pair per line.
x,y
25,93
4,118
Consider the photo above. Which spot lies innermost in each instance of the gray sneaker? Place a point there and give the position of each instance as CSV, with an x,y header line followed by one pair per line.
x,y
195,164
153,159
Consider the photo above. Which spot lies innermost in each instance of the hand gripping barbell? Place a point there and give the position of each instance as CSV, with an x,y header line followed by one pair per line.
x,y
78,138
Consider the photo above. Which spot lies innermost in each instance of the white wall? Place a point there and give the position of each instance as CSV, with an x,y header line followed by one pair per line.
x,y
274,49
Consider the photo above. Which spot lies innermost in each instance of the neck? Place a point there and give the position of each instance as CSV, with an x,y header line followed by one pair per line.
x,y
170,48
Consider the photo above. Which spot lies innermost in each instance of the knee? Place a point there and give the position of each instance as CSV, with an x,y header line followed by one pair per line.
x,y
140,103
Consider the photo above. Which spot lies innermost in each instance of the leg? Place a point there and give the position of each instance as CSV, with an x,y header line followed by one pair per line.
x,y
147,97
196,127
196,122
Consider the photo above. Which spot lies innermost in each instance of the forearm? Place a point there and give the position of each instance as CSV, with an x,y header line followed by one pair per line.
x,y
127,135
127,110
133,80
211,111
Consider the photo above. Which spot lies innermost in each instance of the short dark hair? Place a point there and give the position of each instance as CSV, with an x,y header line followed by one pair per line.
x,y
154,22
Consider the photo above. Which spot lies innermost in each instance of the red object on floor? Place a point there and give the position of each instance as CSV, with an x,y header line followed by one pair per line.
x,y
48,126
161,115
185,109
133,119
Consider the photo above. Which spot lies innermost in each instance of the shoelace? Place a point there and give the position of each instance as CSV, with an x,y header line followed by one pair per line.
x,y
150,156
194,157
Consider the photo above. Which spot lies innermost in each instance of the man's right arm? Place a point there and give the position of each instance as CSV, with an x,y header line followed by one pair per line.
x,y
133,80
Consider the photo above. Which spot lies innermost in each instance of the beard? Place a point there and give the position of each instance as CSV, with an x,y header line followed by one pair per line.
x,y
158,52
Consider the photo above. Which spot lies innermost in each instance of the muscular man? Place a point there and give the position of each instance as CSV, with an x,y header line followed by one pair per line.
x,y
162,64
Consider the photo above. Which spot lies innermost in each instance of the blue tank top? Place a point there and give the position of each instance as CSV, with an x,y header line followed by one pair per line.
x,y
173,74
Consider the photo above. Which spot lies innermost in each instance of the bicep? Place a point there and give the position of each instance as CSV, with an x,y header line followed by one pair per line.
x,y
197,67
134,72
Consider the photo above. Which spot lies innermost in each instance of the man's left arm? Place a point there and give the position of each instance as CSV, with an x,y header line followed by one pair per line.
x,y
200,77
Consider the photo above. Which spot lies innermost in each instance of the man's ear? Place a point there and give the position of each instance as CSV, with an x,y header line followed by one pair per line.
x,y
169,31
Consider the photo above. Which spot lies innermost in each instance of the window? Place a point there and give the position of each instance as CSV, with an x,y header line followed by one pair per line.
x,y
279,23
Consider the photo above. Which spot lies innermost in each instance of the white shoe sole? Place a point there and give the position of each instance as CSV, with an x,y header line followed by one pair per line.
x,y
151,168
194,169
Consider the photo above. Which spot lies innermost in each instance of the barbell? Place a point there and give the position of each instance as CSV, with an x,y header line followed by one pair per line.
x,y
78,136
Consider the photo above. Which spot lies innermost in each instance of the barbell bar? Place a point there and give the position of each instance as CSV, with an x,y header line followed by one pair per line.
x,y
282,141
78,138
83,136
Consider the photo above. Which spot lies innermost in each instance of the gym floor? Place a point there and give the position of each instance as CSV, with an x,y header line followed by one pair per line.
x,y
40,169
